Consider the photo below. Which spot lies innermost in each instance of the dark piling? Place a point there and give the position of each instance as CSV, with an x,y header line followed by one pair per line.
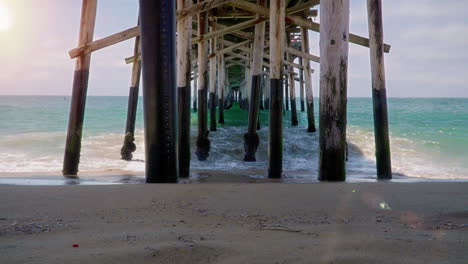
x,y
157,19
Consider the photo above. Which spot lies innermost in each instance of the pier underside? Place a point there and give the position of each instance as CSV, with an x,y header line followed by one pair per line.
x,y
249,51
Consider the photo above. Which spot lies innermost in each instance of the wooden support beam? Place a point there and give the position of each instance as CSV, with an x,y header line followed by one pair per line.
x,y
267,90
238,33
184,57
132,59
240,56
251,7
292,86
202,6
247,78
303,6
298,80
71,158
263,11
229,48
203,143
334,45
96,45
158,46
127,34
305,55
228,30
265,54
265,64
286,90
308,83
251,138
212,84
275,137
310,13
221,86
129,140
195,90
379,90
292,65
301,85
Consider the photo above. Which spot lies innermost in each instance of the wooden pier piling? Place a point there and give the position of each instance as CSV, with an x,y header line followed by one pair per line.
x,y
267,92
292,86
239,69
212,85
308,82
184,49
195,91
379,91
292,97
129,140
334,42
301,84
221,87
80,89
251,139
286,91
275,137
203,143
158,44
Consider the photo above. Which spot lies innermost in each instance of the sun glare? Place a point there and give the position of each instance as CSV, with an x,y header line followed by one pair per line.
x,y
5,18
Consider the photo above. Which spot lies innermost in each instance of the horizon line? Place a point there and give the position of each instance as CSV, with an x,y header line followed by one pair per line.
x,y
316,97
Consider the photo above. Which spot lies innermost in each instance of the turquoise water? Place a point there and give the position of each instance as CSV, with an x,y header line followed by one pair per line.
x,y
429,138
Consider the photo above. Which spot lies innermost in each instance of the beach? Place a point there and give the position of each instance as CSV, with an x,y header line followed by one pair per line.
x,y
234,222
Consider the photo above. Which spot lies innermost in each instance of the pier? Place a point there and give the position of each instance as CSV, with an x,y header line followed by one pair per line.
x,y
200,56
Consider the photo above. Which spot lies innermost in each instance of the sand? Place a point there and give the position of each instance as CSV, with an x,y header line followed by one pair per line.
x,y
235,223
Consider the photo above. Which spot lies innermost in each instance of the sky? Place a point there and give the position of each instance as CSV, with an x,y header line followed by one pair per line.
x,y
429,55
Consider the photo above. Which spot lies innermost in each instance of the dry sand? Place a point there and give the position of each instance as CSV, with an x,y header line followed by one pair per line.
x,y
235,223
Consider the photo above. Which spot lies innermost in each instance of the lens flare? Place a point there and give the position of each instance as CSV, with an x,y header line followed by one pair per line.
x,y
5,18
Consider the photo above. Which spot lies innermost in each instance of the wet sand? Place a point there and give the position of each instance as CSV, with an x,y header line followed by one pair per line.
x,y
233,222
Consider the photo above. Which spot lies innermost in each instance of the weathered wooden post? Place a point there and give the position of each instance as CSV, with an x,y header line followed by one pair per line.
x,y
129,141
158,31
80,88
251,139
301,84
184,49
262,91
334,37
212,84
247,80
194,91
379,91
308,83
292,96
286,91
267,92
221,87
203,143
292,86
275,140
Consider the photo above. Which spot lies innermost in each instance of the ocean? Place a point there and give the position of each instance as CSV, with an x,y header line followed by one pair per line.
x,y
429,139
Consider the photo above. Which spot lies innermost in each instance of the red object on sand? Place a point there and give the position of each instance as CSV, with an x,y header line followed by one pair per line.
x,y
76,245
